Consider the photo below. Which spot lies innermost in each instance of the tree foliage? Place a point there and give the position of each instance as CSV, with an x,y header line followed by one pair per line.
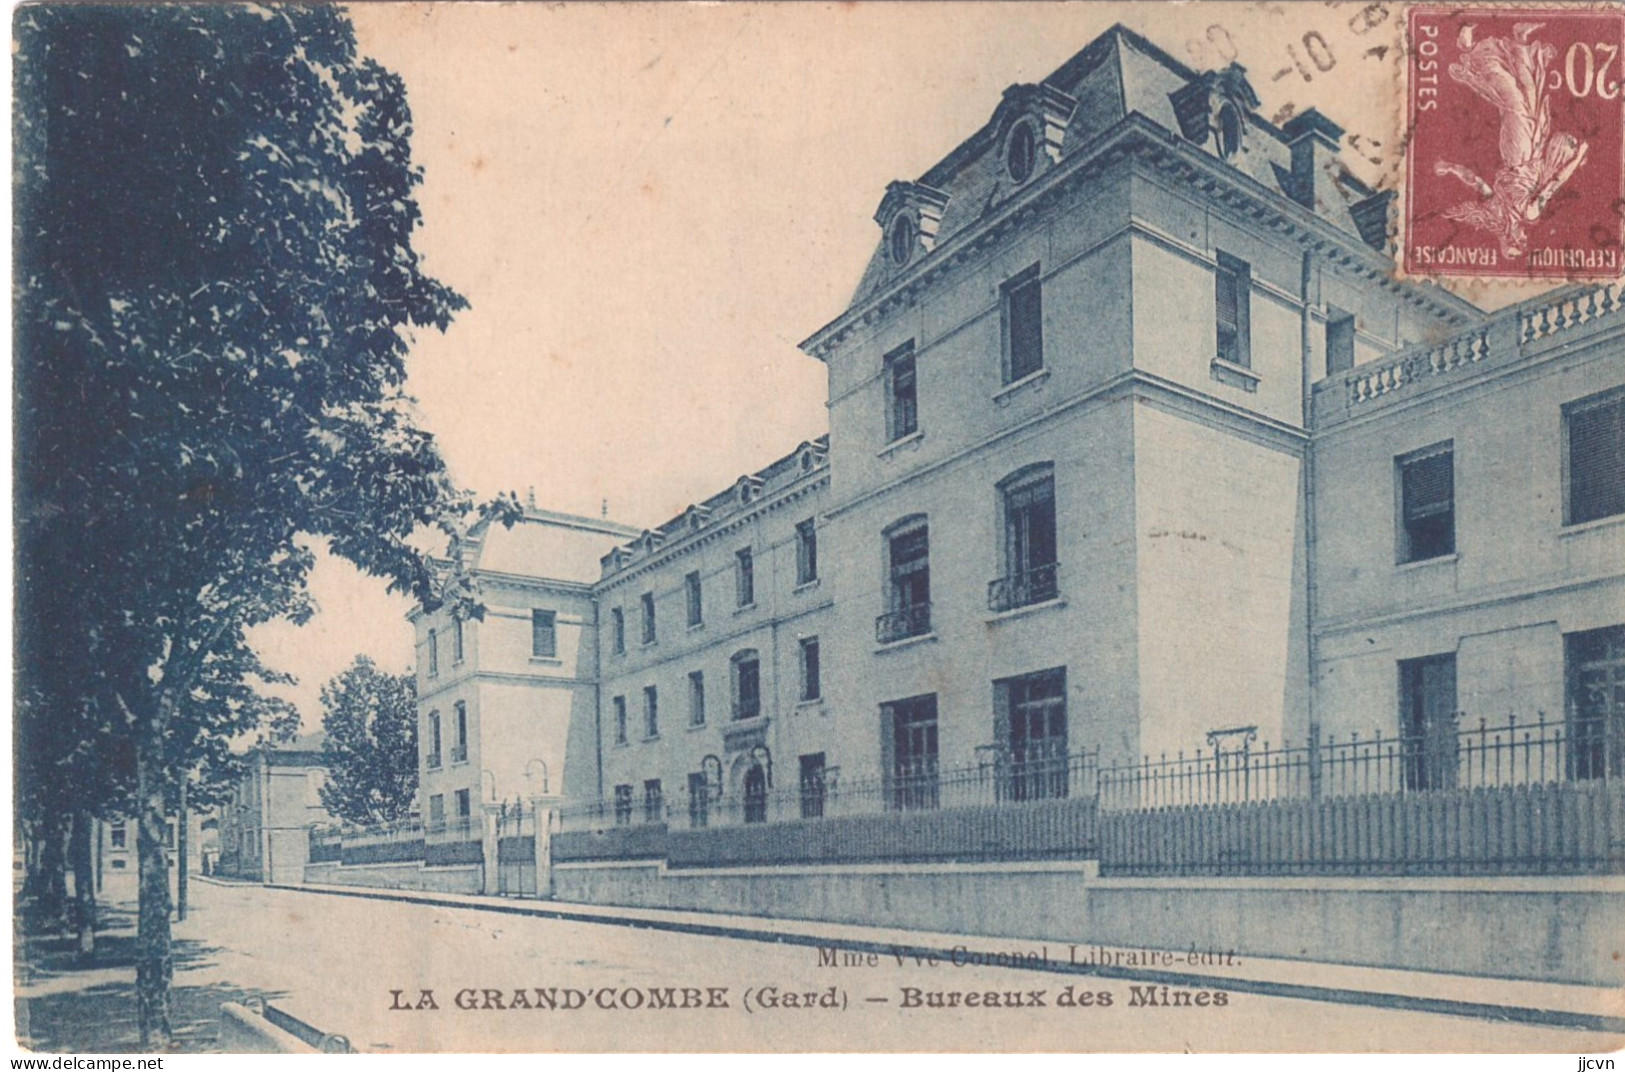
x,y
371,751
215,288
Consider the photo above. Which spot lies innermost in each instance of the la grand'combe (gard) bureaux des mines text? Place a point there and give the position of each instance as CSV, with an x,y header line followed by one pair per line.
x,y
772,998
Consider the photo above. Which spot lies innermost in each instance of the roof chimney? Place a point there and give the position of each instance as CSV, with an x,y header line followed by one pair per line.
x,y
1313,140
530,497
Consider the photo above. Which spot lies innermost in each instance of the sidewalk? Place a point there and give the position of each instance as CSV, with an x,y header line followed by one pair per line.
x,y
66,1003
1506,1000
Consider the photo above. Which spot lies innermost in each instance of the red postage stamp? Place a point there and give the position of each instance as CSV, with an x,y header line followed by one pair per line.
x,y
1515,165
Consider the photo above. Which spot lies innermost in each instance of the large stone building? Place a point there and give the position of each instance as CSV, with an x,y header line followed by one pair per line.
x,y
1134,438
502,699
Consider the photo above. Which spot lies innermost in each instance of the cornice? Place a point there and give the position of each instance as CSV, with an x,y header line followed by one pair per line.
x,y
1131,384
716,531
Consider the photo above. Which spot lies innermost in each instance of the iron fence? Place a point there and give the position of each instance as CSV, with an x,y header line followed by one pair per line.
x,y
997,778
1520,796
1234,770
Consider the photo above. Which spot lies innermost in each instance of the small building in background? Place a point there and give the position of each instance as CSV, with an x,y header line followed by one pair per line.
x,y
264,828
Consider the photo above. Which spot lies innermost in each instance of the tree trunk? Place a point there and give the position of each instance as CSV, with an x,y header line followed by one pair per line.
x,y
50,881
84,882
180,854
154,963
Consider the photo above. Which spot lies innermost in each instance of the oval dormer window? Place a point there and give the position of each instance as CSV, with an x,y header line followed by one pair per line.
x,y
1229,130
1020,151
902,238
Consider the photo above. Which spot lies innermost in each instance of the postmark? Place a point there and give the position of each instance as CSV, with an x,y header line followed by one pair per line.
x,y
1514,160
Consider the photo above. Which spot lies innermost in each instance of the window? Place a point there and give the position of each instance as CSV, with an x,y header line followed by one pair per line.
x,y
806,552
1023,306
699,800
696,607
544,634
434,740
1427,721
1339,340
696,698
1233,301
744,577
908,573
1020,153
648,602
437,812
119,863
456,640
747,685
619,705
912,741
1427,504
651,712
459,748
902,398
1595,457
654,803
902,238
623,805
1229,129
812,786
1595,663
120,835
464,808
617,623
1027,501
434,653
1029,728
810,687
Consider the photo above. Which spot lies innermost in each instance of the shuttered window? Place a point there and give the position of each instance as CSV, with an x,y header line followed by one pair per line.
x,y
1232,288
902,397
544,634
1023,326
1596,458
1427,488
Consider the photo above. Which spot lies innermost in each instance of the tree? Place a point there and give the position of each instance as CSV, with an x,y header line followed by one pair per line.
x,y
371,751
215,289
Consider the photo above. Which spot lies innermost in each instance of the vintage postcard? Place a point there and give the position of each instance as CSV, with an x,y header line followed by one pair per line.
x,y
784,528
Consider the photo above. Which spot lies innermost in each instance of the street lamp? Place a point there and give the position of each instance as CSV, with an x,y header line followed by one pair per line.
x,y
493,777
530,778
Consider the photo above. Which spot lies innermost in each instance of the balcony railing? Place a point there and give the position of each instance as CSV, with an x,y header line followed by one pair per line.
x,y
911,621
1507,335
1023,589
433,761
459,753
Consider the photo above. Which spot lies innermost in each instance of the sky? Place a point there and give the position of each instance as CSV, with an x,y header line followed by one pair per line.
x,y
649,206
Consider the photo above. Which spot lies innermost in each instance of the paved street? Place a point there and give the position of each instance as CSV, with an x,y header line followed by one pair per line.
x,y
334,960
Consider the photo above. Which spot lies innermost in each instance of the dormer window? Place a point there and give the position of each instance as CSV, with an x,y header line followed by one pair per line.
x,y
902,239
1020,153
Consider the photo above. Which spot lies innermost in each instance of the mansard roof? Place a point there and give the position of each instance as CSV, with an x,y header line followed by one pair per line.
x,y
1117,75
808,458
